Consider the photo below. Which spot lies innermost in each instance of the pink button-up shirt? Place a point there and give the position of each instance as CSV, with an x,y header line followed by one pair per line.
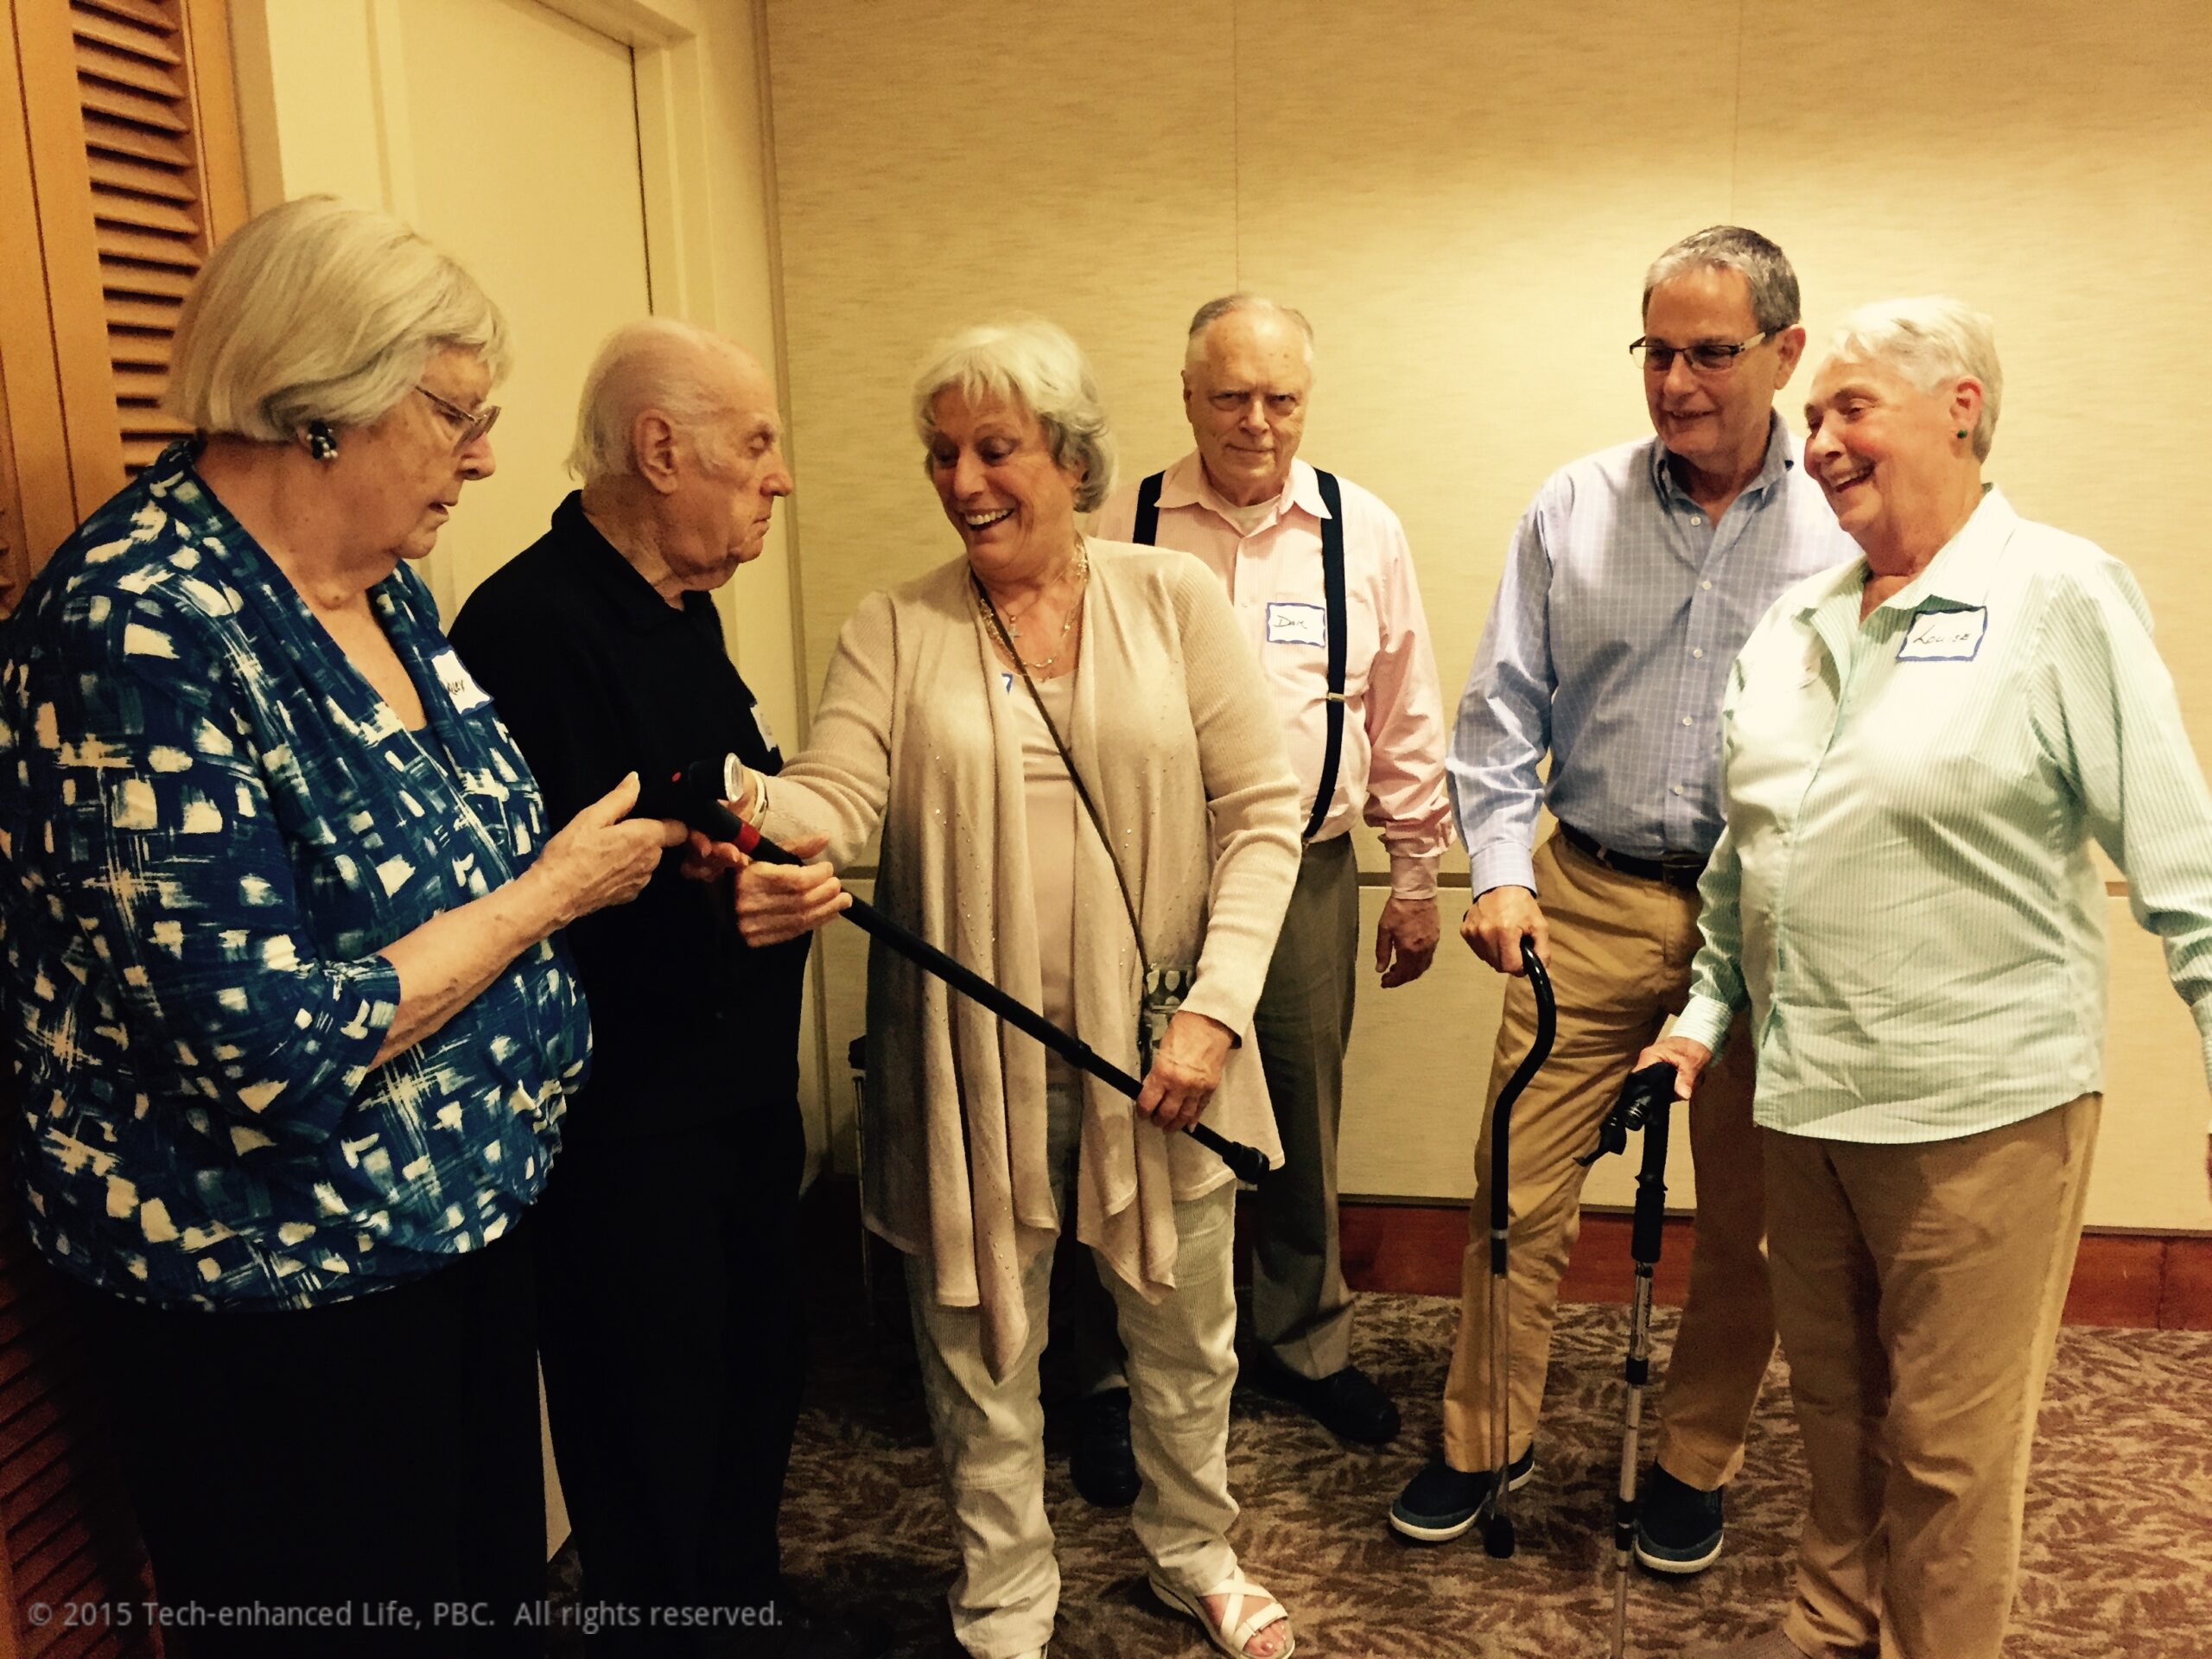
x,y
1392,768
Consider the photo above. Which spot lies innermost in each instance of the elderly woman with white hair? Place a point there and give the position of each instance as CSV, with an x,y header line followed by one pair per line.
x,y
292,1032
1918,749
1082,791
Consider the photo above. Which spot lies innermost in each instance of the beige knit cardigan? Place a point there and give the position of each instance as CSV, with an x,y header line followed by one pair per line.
x,y
1176,739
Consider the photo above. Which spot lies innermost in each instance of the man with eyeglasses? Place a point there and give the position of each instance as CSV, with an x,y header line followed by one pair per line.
x,y
1631,583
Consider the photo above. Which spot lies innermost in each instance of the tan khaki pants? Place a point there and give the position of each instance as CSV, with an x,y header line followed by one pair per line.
x,y
990,1436
1621,951
1919,1290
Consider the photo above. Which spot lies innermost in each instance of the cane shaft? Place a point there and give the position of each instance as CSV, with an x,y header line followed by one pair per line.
x,y
1248,1163
1498,1530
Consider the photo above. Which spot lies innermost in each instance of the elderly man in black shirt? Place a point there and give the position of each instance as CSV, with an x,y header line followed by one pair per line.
x,y
669,1274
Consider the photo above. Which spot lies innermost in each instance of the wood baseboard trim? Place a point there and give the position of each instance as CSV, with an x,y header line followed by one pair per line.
x,y
2146,1280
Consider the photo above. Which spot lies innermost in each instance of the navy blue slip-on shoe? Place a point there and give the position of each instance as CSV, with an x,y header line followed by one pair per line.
x,y
1441,1502
1677,1527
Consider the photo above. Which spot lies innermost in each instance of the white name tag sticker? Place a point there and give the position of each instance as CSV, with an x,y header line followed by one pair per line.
x,y
464,693
760,725
1293,623
1944,636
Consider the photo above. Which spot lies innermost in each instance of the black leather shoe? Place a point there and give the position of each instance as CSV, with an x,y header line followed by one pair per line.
x,y
1102,1466
1346,1404
1677,1527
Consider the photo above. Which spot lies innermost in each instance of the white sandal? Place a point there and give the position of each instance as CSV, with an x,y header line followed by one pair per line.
x,y
1237,1627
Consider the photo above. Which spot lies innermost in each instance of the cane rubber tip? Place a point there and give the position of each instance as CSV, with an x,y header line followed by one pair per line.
x,y
1497,1538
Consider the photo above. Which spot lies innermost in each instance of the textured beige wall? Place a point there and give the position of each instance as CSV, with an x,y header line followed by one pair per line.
x,y
1464,197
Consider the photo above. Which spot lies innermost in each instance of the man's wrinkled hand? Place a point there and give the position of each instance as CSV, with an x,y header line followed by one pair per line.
x,y
1405,939
1497,921
777,902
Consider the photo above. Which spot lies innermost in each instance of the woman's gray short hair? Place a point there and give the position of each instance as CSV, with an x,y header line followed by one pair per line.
x,y
1774,303
319,310
1038,365
1935,343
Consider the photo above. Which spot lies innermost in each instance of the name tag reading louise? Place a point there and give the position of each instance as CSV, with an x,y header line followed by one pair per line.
x,y
1944,636
1293,623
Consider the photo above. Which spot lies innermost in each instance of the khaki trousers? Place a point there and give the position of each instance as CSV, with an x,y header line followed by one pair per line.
x,y
1620,952
1182,1367
1919,1290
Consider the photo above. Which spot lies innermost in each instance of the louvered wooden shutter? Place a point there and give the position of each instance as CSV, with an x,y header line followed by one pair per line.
x,y
71,1544
132,125
119,168
143,163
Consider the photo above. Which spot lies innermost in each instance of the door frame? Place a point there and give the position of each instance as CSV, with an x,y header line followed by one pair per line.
x,y
669,79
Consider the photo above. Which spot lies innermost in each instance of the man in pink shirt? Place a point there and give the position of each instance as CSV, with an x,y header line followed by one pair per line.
x,y
1364,724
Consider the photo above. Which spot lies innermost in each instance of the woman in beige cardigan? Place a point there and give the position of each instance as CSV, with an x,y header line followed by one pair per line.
x,y
942,721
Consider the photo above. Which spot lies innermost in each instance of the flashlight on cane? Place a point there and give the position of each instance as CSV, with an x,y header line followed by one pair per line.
x,y
695,795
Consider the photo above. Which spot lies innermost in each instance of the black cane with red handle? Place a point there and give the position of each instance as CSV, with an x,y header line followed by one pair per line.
x,y
694,795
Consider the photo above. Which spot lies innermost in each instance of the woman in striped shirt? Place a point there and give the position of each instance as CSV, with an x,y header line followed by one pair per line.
x,y
1918,749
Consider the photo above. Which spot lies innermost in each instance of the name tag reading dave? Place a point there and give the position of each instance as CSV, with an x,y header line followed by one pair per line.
x,y
1292,623
1944,636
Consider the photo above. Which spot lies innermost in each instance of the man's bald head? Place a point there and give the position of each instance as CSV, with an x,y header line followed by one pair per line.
x,y
699,381
681,453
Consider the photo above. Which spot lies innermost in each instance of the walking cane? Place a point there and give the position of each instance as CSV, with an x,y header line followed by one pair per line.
x,y
694,796
1647,1103
1497,1525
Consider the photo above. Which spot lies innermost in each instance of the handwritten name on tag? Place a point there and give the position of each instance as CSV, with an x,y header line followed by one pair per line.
x,y
464,693
1944,636
767,737
1293,623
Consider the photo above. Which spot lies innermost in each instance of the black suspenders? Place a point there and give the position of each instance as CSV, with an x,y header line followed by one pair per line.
x,y
1147,531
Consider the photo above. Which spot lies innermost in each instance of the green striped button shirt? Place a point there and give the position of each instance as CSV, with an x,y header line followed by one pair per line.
x,y
1904,893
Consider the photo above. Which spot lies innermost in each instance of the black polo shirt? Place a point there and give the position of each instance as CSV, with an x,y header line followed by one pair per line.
x,y
596,675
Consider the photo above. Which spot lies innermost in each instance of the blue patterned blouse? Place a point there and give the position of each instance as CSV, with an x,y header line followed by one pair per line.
x,y
209,825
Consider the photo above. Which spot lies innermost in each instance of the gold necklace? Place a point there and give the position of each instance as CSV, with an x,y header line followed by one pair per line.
x,y
1008,628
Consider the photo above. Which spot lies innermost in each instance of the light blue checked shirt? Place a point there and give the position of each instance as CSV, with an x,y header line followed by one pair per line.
x,y
1904,895
1620,608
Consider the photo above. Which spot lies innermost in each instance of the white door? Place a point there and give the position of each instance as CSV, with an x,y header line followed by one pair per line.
x,y
522,126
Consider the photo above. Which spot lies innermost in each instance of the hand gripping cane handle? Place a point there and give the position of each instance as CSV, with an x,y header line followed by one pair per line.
x,y
694,795
1497,1525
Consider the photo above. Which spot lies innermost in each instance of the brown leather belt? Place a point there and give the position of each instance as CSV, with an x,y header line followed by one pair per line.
x,y
1678,870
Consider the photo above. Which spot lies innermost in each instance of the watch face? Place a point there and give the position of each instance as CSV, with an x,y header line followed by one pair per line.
x,y
733,777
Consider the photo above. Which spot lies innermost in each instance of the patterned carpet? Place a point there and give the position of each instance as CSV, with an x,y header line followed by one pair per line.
x,y
2119,1554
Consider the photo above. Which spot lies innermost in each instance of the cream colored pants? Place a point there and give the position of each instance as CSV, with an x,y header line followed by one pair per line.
x,y
1620,952
1919,1290
1182,1366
